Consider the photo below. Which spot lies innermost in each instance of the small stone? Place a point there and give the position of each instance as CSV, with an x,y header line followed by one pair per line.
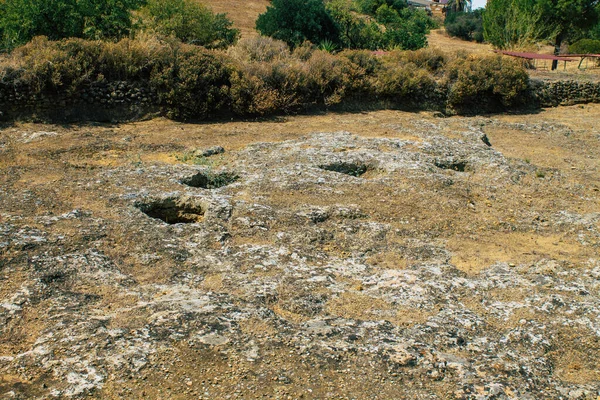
x,y
211,151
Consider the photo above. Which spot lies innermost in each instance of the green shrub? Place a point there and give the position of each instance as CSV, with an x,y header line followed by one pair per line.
x,y
68,64
259,48
250,94
261,88
190,22
194,83
488,83
295,21
304,51
585,46
52,66
433,60
363,59
329,79
133,60
465,25
594,32
407,84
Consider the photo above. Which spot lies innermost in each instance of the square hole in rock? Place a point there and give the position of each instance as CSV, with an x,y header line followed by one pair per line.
x,y
210,180
174,210
348,168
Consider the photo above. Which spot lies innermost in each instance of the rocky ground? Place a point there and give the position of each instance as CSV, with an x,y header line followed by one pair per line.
x,y
357,256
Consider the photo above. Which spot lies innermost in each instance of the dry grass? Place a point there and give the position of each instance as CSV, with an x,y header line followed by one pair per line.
x,y
243,13
473,255
439,39
358,306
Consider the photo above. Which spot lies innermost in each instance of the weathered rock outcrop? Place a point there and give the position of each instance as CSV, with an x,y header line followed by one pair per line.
x,y
333,265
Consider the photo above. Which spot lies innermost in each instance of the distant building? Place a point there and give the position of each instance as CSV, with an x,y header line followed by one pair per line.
x,y
420,3
438,8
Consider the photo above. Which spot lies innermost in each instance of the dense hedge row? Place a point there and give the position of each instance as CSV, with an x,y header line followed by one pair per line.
x,y
260,76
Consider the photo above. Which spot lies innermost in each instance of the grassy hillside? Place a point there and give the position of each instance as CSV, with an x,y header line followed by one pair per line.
x,y
243,13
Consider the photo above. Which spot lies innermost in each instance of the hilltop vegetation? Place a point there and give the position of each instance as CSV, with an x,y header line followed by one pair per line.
x,y
351,24
336,24
187,20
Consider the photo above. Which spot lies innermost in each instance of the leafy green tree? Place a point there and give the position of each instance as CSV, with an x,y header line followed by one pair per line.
x,y
190,22
567,16
295,21
594,33
510,22
370,7
465,25
21,20
405,29
513,23
356,31
107,19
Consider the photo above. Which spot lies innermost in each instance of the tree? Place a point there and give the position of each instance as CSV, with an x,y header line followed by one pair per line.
x,y
21,20
512,23
295,21
356,31
190,22
567,16
465,25
594,33
509,22
405,29
370,7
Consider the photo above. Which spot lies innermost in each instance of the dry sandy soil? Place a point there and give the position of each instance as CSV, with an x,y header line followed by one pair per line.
x,y
368,255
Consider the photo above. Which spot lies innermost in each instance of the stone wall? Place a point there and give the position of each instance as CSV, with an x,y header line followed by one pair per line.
x,y
125,101
555,93
99,101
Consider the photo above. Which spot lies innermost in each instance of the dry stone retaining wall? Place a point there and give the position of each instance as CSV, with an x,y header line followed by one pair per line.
x,y
100,101
122,100
552,94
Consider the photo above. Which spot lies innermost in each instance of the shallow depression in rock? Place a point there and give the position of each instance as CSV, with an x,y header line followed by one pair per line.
x,y
348,168
459,166
210,180
174,210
